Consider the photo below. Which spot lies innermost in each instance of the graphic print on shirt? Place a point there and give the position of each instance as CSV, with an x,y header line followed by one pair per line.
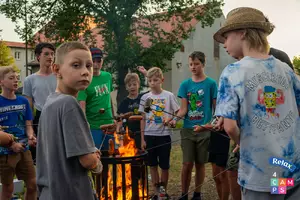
x,y
101,90
270,97
195,100
157,109
7,114
134,107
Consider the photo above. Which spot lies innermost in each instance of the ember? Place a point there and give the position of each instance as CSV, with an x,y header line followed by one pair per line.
x,y
124,175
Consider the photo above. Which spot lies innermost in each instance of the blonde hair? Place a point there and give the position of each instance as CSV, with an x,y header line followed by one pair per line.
x,y
66,48
5,70
257,39
155,71
131,77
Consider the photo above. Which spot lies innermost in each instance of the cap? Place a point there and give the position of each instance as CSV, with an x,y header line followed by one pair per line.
x,y
96,53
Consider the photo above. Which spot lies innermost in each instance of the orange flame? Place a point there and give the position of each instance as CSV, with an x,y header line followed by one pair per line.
x,y
127,148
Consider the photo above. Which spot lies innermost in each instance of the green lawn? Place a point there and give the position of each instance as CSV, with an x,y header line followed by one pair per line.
x,y
174,188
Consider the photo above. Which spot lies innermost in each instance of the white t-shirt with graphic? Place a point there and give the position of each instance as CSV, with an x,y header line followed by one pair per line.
x,y
263,95
162,107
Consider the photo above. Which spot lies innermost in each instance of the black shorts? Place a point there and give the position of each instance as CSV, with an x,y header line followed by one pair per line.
x,y
218,148
159,149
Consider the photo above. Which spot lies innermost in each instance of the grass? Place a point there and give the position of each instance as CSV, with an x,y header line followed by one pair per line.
x,y
174,188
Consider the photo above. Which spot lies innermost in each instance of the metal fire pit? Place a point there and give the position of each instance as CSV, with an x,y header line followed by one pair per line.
x,y
139,173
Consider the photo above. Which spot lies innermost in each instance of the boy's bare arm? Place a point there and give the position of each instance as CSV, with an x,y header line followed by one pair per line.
x,y
180,113
82,105
89,161
232,129
30,133
183,108
29,129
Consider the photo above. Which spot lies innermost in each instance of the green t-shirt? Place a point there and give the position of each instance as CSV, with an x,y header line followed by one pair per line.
x,y
97,96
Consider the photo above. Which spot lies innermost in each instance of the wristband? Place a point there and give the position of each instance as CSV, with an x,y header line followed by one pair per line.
x,y
175,118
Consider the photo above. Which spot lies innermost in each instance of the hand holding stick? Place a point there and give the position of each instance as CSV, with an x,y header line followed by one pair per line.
x,y
6,139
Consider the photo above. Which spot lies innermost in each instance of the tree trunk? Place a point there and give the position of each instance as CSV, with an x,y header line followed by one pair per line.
x,y
122,92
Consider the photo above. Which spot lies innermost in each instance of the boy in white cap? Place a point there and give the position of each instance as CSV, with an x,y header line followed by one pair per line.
x,y
259,98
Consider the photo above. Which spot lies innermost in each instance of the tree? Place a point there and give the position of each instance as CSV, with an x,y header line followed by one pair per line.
x,y
121,23
6,59
296,63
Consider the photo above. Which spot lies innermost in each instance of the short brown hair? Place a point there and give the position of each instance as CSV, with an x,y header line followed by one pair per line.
x,y
155,71
67,47
199,55
257,39
5,70
131,77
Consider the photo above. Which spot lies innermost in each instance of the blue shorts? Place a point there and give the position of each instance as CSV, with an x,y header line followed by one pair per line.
x,y
98,137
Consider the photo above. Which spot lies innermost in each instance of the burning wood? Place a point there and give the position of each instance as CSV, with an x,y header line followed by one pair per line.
x,y
111,150
119,180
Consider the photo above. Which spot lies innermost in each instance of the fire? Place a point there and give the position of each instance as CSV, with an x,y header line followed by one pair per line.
x,y
127,148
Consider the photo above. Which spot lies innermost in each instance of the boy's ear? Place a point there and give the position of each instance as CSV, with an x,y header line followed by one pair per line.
x,y
243,34
163,79
55,70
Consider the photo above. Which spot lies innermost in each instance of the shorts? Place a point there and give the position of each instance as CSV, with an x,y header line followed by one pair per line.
x,y
291,194
194,146
19,164
99,136
233,158
218,148
159,150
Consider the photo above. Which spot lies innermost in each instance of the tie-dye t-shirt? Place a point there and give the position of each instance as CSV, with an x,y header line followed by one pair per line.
x,y
263,95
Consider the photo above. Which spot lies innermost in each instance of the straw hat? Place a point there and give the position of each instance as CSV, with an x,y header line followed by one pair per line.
x,y
241,18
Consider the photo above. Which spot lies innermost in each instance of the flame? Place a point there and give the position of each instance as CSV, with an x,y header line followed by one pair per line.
x,y
127,148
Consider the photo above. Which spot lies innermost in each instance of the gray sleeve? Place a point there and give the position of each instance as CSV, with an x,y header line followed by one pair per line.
x,y
27,87
76,132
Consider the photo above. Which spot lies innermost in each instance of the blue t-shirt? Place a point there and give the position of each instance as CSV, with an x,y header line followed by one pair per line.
x,y
200,96
263,96
14,113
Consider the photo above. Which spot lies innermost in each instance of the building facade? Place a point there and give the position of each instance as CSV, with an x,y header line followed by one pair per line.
x,y
18,52
200,40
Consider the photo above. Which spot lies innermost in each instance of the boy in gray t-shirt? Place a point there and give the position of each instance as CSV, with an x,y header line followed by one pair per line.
x,y
38,86
65,149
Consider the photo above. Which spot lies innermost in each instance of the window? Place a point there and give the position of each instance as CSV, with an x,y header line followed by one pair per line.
x,y
17,55
216,49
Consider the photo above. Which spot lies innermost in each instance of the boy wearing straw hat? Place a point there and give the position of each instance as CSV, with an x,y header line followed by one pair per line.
x,y
259,98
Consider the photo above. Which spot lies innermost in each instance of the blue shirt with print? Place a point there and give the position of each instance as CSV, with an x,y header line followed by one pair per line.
x,y
14,113
200,97
263,96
